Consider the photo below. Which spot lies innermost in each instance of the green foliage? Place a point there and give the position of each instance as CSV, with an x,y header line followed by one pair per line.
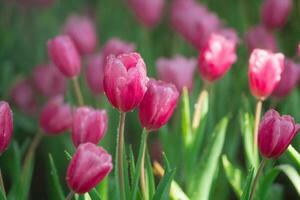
x,y
248,185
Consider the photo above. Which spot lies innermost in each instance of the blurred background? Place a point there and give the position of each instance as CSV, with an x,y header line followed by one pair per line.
x,y
26,25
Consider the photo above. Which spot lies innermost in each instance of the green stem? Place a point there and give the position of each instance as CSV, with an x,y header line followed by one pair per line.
x,y
258,173
120,155
257,120
78,91
2,185
70,195
35,142
143,180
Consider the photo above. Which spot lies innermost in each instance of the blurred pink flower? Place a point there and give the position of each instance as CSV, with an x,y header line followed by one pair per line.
x,y
95,73
260,37
178,70
115,46
6,126
147,11
230,34
83,32
193,21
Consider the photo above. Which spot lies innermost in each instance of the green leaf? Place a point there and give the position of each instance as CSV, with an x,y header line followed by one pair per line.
x,y
234,176
126,176
94,194
186,118
68,155
150,177
294,156
163,188
138,166
55,180
201,183
248,184
131,165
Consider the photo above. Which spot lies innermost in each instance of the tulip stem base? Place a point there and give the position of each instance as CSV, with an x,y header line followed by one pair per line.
x,y
35,142
143,180
70,195
120,148
257,120
78,91
2,184
258,173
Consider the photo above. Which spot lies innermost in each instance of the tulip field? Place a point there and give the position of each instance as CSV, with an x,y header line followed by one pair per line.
x,y
149,100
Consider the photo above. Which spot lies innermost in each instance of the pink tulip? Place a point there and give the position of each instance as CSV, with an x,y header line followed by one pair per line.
x,y
23,96
276,133
89,166
230,34
125,79
289,79
275,13
95,73
261,38
64,55
216,57
265,70
147,11
178,70
6,126
48,80
89,125
115,47
56,116
158,104
193,21
83,32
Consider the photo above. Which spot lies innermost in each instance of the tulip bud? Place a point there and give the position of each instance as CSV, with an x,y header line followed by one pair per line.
x,y
48,80
23,96
83,32
276,133
275,12
56,117
115,47
89,165
289,79
193,21
6,126
64,55
178,70
95,73
265,70
158,104
148,11
216,57
125,81
260,38
89,125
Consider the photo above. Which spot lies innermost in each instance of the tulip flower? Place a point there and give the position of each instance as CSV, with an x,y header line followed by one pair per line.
x,y
147,11
275,12
158,104
89,125
259,37
230,34
115,47
83,32
178,70
23,96
6,126
56,116
48,80
216,57
289,79
193,21
89,166
94,73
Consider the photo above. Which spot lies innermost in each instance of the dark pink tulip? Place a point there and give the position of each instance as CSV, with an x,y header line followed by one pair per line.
x,y
259,37
89,125
23,96
115,47
95,73
276,133
216,57
265,70
275,13
89,166
6,126
289,79
64,55
125,79
193,21
56,116
83,32
178,70
158,104
48,80
147,11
